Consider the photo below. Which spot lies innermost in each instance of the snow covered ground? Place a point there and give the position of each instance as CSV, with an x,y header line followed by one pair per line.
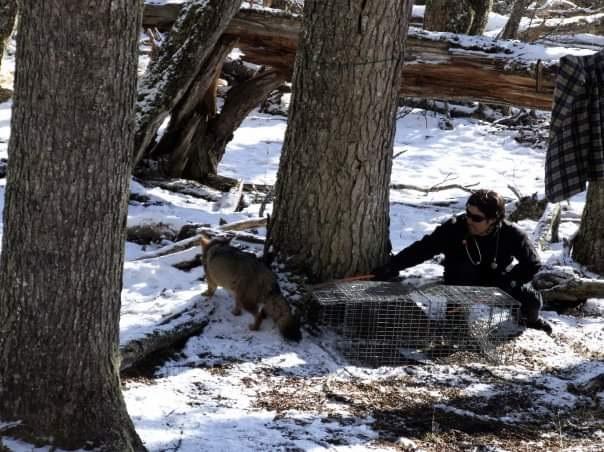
x,y
231,389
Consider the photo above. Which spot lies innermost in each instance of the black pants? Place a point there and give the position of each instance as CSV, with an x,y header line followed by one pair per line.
x,y
530,300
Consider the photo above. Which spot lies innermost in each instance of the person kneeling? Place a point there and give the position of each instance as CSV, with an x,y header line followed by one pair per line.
x,y
479,248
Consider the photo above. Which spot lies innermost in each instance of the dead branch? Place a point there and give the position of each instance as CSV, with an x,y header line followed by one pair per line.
x,y
173,248
155,41
516,192
435,188
190,242
541,230
593,24
230,200
554,230
242,225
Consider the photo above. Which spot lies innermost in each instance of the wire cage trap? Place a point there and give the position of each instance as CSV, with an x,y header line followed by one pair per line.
x,y
380,323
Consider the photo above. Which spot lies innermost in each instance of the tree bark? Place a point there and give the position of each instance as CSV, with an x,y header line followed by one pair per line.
x,y
208,149
510,31
183,57
8,13
481,8
62,254
442,66
330,216
454,16
588,246
190,116
559,286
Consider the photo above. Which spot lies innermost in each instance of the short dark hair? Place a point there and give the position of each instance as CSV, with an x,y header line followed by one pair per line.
x,y
488,202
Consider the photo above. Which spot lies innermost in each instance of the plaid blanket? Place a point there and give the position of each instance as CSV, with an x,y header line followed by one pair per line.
x,y
576,142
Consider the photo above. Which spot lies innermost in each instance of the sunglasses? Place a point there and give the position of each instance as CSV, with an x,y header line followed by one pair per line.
x,y
475,218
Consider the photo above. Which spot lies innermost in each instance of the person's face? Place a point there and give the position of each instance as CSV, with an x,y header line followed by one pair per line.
x,y
478,223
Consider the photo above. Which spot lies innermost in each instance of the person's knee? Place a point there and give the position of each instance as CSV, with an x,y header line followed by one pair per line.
x,y
531,302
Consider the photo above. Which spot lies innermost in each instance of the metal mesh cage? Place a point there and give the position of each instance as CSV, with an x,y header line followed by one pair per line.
x,y
381,323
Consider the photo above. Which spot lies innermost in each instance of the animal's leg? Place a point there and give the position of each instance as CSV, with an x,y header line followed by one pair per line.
x,y
258,317
211,287
238,305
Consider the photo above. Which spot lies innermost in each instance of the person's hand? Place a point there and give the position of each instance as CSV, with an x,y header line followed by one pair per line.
x,y
384,273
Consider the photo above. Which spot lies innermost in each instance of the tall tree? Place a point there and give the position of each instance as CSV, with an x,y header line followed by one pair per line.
x,y
70,154
8,13
331,208
510,31
481,9
588,246
457,16
448,15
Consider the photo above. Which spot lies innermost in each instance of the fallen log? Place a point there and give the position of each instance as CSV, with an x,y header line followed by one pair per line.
x,y
224,183
593,24
438,65
186,187
173,329
236,228
564,286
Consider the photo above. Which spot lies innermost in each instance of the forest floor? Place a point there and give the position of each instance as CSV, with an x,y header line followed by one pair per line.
x,y
230,389
233,389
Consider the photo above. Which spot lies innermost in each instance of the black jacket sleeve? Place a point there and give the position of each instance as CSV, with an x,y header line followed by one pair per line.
x,y
528,259
424,249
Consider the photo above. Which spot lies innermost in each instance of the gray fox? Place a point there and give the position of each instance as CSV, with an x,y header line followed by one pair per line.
x,y
251,283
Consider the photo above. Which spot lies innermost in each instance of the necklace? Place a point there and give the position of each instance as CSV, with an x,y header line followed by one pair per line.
x,y
479,260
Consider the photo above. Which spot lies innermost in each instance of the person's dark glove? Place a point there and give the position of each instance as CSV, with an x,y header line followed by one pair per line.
x,y
385,273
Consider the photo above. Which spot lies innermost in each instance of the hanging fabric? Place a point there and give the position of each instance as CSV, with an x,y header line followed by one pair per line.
x,y
575,153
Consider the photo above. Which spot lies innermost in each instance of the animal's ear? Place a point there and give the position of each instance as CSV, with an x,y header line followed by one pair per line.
x,y
204,241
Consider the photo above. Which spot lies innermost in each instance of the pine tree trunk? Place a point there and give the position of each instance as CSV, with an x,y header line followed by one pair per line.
x,y
510,31
331,209
70,148
454,16
588,246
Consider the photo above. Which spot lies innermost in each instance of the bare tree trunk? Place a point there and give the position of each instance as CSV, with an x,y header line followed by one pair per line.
x,y
8,13
62,256
331,216
588,246
454,16
510,30
192,113
208,150
182,58
481,8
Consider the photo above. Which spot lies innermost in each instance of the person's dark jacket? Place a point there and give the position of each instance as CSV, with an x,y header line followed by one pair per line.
x,y
472,260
